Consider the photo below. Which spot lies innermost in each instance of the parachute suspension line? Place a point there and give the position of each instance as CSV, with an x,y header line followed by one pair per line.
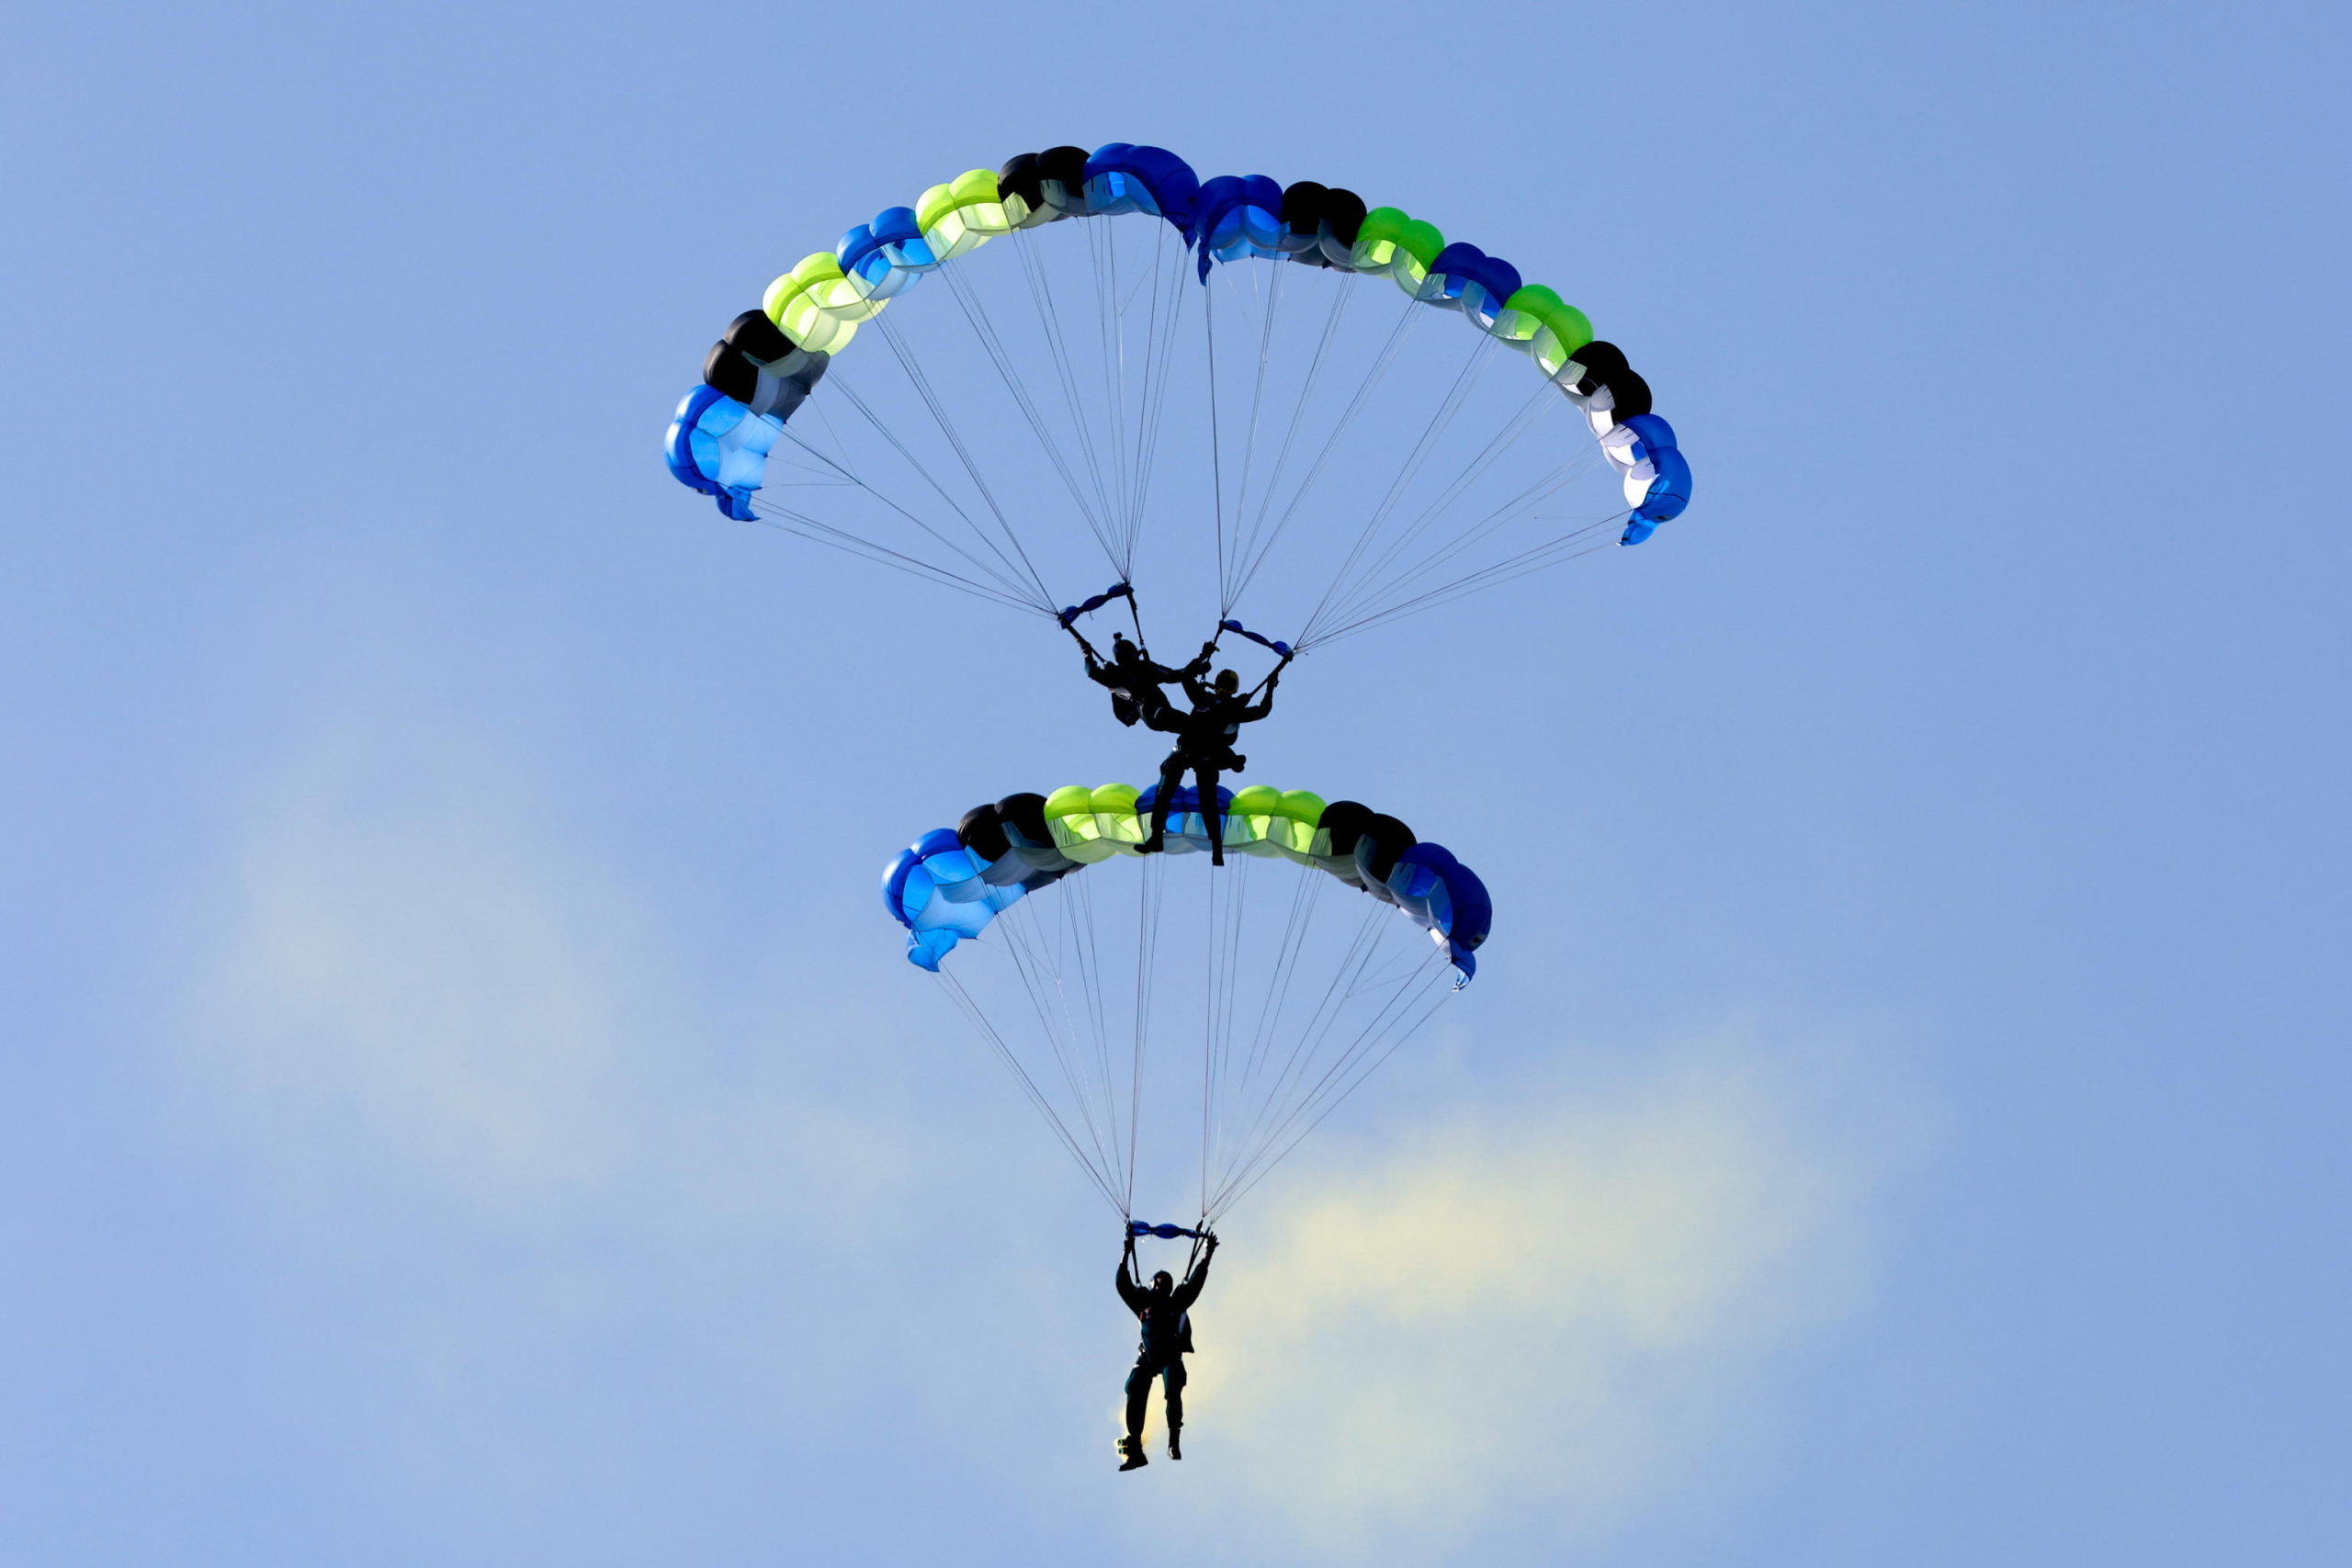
x,y
1160,348
971,1010
1340,296
1037,976
1340,1079
1237,911
1150,889
1033,267
1221,955
1302,905
1320,1020
992,341
1102,242
1481,355
1555,552
1079,912
1229,1199
1371,586
801,527
1356,972
1257,409
1217,459
1524,504
938,410
849,393
1007,584
1534,559
1372,377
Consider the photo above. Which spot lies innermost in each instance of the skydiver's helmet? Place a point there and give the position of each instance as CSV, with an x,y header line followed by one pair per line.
x,y
1227,682
1163,1282
1122,651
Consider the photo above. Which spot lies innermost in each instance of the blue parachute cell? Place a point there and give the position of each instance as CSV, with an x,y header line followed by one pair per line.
x,y
1651,436
720,447
901,240
678,451
1237,216
1460,266
1670,492
861,256
1123,177
894,886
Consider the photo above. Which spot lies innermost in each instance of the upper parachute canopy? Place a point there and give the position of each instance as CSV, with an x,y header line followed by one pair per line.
x,y
770,361
952,881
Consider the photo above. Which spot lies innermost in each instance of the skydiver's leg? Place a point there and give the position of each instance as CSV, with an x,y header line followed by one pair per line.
x,y
1171,774
1172,1384
1138,1389
1212,815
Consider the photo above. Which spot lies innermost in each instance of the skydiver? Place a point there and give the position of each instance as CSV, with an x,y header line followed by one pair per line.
x,y
1204,739
1164,1310
1134,679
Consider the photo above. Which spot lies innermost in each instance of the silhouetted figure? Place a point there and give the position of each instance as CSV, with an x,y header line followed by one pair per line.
x,y
1204,739
1135,679
1163,1309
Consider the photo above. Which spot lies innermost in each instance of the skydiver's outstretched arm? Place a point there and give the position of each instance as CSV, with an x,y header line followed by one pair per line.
x,y
1190,1291
1128,1280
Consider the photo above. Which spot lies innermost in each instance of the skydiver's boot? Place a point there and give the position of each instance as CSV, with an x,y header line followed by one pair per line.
x,y
1155,845
1132,1449
1174,1451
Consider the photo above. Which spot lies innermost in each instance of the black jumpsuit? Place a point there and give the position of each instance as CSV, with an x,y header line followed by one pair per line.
x,y
1203,746
1166,1336
1135,685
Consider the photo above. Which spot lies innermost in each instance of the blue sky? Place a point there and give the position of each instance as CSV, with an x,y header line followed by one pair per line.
x,y
463,1104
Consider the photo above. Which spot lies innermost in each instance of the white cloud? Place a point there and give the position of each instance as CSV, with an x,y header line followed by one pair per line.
x,y
1528,1320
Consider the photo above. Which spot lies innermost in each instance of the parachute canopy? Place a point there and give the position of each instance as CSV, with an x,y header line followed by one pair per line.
x,y
1335,450
1299,967
952,881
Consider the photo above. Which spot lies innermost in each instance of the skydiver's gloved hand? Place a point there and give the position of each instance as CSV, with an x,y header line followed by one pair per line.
x,y
1211,1241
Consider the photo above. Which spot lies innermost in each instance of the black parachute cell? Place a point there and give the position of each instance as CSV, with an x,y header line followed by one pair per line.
x,y
1023,819
726,368
1021,177
1345,821
1629,394
983,829
760,340
1344,212
1389,839
1599,357
1067,165
1303,206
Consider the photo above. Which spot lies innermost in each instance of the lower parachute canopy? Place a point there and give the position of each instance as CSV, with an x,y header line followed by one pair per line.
x,y
1298,987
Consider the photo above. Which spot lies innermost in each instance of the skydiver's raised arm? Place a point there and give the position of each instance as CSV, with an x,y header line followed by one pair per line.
x,y
1130,1288
1190,1291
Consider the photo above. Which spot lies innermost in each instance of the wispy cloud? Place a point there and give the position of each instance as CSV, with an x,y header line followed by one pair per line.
x,y
1528,1319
